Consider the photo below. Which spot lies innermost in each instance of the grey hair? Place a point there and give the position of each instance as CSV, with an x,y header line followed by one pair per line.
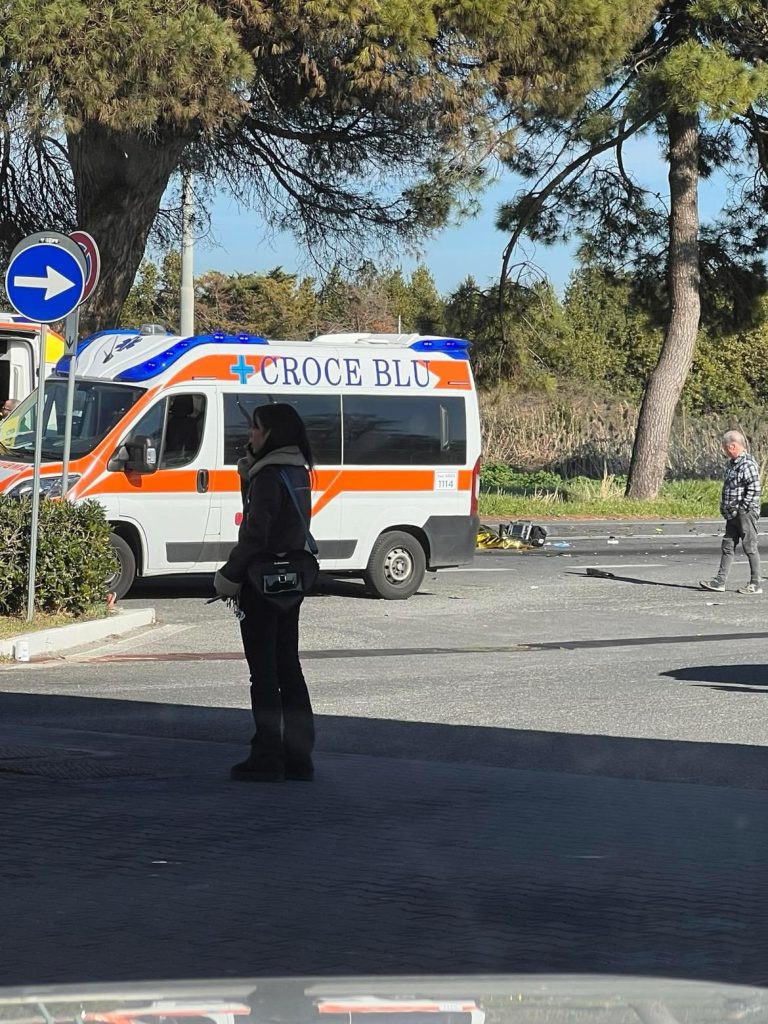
x,y
734,437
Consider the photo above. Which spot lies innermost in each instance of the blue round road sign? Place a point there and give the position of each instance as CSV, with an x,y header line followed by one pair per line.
x,y
44,282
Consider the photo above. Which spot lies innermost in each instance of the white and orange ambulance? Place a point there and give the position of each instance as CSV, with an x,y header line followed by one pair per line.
x,y
20,355
160,422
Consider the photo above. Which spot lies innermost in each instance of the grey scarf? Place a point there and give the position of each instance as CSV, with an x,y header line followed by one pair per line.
x,y
249,466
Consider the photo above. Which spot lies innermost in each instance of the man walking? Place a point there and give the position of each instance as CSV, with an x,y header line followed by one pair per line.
x,y
740,507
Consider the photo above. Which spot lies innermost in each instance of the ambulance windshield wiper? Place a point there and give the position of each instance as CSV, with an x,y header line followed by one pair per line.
x,y
18,453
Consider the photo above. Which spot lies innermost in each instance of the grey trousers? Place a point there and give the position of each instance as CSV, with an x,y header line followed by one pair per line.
x,y
742,528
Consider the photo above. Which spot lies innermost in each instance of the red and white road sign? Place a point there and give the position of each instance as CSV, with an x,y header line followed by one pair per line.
x,y
92,260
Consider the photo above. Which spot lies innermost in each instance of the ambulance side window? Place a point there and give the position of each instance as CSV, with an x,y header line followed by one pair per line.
x,y
183,430
150,425
176,424
322,418
321,415
238,417
404,430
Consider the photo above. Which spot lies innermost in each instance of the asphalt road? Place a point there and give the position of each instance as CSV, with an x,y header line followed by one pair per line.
x,y
522,768
523,641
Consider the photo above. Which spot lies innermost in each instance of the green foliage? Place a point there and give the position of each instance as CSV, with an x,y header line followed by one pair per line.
x,y
416,302
282,305
342,122
73,556
276,304
535,332
503,479
603,334
155,296
696,76
127,65
614,342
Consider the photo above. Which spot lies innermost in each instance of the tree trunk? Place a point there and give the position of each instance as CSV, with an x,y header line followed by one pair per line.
x,y
119,179
662,393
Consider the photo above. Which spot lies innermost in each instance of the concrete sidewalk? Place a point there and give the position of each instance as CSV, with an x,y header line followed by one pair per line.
x,y
134,857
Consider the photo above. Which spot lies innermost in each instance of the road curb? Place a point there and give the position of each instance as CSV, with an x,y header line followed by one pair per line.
x,y
62,638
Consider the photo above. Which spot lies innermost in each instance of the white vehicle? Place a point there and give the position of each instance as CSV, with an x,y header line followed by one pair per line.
x,y
169,1011
375,1010
20,356
160,422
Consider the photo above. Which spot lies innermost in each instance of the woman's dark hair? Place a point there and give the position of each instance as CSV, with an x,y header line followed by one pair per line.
x,y
285,428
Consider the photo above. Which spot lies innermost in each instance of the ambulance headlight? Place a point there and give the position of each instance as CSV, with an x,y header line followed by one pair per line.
x,y
50,487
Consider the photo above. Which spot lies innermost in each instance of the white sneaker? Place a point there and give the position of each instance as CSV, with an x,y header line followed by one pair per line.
x,y
751,588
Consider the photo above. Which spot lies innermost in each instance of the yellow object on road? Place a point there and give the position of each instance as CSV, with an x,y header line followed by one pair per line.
x,y
489,538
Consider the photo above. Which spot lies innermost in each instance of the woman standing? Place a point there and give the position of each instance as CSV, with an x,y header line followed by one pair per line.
x,y
285,734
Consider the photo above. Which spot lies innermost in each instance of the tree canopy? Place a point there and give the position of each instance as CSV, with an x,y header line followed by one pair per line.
x,y
340,120
695,73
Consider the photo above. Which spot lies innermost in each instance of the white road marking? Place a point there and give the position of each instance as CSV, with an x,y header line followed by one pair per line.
x,y
470,569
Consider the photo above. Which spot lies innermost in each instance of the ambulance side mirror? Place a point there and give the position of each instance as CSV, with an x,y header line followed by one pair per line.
x,y
139,455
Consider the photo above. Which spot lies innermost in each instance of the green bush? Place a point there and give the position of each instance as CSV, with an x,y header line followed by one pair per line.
x,y
500,478
73,556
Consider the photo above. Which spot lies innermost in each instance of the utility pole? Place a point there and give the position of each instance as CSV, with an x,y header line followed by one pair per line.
x,y
187,257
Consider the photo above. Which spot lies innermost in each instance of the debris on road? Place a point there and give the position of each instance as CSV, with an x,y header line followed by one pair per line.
x,y
601,573
520,536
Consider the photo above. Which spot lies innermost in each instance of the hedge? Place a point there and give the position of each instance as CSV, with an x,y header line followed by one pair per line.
x,y
74,557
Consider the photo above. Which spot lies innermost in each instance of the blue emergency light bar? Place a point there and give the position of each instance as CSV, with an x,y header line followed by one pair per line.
x,y
457,348
159,363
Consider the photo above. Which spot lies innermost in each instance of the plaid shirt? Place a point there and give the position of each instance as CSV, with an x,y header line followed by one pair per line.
x,y
741,487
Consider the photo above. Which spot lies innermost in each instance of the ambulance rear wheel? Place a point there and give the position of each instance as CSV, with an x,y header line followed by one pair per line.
x,y
120,580
396,567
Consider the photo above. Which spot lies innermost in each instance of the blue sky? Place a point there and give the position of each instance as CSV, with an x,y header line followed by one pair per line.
x,y
474,247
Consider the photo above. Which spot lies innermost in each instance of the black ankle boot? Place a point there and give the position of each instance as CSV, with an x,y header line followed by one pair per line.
x,y
252,770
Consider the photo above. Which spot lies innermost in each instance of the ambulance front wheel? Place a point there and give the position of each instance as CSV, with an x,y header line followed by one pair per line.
x,y
120,581
396,567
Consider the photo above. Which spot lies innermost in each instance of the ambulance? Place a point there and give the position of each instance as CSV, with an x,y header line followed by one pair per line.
x,y
20,356
160,422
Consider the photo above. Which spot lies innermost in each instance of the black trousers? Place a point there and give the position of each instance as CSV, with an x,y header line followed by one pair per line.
x,y
282,710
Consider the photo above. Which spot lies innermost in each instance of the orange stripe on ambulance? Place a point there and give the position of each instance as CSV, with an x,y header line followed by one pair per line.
x,y
160,422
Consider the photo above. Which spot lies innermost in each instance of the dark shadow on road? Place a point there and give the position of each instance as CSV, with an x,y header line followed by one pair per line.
x,y
182,585
200,585
729,678
613,578
657,760
418,857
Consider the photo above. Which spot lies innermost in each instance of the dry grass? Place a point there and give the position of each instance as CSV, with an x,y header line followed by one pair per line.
x,y
11,625
592,436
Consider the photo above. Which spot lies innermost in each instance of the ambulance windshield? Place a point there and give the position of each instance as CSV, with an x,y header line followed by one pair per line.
x,y
98,407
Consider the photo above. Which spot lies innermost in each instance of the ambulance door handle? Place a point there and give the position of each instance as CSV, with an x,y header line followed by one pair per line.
x,y
202,481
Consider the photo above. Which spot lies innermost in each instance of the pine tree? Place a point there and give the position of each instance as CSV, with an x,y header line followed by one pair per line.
x,y
688,73
343,122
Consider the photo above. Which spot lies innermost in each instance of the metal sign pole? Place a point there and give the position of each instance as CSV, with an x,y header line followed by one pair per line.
x,y
187,258
71,331
36,475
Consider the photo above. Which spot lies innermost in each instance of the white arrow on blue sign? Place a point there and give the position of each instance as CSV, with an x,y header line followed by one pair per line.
x,y
45,281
